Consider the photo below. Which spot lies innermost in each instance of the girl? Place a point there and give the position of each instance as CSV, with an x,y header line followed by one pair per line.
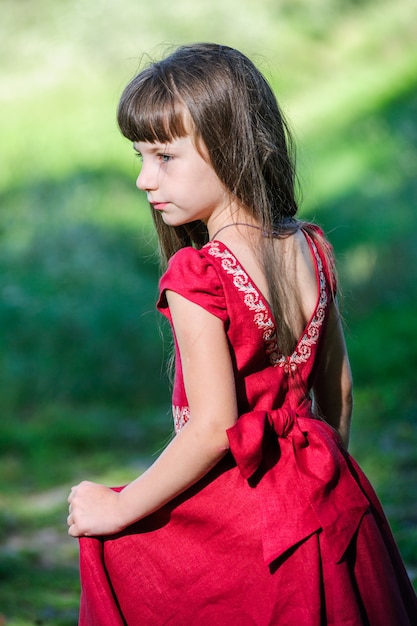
x,y
254,514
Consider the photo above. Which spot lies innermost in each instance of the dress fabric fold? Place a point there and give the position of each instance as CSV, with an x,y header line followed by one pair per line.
x,y
286,530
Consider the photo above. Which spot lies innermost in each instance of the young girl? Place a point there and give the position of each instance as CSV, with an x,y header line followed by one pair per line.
x,y
254,514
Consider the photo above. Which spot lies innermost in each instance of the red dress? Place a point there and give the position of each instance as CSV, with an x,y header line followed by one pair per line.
x,y
286,530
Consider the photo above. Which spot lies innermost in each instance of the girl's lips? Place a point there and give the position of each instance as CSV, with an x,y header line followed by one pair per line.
x,y
159,206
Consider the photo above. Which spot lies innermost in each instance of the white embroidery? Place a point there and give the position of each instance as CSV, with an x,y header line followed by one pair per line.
x,y
263,320
251,296
181,415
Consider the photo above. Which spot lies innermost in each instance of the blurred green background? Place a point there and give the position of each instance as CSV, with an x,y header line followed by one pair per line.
x,y
83,390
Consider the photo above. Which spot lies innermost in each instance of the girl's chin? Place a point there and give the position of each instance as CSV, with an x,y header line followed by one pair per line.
x,y
169,221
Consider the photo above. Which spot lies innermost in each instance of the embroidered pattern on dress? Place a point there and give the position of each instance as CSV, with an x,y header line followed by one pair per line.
x,y
263,320
181,415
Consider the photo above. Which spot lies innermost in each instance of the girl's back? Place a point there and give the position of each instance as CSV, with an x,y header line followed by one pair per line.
x,y
299,277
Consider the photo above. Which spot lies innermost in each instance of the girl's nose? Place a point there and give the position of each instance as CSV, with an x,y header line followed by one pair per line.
x,y
147,179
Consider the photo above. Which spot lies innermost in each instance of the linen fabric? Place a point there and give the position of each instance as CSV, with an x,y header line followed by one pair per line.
x,y
286,530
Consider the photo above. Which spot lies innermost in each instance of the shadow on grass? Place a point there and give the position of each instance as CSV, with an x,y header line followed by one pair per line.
x,y
82,383
373,229
40,593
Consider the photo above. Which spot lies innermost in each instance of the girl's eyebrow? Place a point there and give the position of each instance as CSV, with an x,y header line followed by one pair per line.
x,y
152,147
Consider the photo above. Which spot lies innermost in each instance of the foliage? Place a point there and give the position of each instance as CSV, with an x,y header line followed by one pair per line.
x,y
83,389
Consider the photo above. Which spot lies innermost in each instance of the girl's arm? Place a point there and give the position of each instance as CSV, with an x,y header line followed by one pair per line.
x,y
201,443
333,386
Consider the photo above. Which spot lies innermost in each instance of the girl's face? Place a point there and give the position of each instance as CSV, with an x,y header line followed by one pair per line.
x,y
179,182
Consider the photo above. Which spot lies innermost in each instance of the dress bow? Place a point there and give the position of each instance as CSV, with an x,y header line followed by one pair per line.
x,y
303,479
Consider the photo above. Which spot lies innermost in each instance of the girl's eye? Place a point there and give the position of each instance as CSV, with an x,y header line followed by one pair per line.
x,y
164,158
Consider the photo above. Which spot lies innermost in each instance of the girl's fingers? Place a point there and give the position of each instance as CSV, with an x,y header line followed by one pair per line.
x,y
71,494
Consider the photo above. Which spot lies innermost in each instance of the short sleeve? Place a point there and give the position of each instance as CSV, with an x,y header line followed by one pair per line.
x,y
191,274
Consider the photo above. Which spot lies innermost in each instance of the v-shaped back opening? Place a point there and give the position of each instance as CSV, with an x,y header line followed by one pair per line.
x,y
320,286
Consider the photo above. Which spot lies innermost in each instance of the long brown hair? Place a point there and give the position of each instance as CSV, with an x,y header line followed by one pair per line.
x,y
235,113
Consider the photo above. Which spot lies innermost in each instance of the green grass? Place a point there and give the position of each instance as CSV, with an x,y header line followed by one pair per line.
x,y
83,388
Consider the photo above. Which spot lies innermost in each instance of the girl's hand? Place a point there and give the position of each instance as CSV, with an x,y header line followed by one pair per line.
x,y
93,510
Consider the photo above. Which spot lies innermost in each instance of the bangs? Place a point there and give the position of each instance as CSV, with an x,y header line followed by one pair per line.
x,y
151,109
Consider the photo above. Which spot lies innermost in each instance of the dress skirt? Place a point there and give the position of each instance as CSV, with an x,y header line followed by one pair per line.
x,y
199,561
